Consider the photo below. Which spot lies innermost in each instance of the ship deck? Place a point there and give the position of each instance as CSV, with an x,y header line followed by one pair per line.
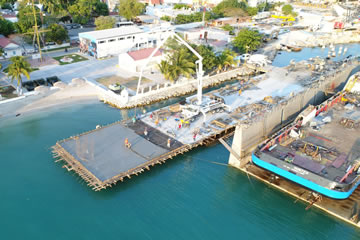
x,y
328,145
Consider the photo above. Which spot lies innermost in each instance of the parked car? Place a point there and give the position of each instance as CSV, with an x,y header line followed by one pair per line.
x,y
245,57
75,25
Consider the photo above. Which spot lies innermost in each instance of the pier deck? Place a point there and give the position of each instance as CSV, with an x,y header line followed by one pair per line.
x,y
101,158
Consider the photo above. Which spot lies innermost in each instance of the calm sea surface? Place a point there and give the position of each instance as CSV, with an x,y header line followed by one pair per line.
x,y
189,197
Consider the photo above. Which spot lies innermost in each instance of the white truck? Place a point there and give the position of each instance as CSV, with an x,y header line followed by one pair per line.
x,y
190,111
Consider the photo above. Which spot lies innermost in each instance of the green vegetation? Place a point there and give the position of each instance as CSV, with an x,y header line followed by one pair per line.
x,y
26,19
56,34
195,17
73,58
166,18
252,11
181,61
7,4
104,22
177,64
181,6
101,9
224,60
209,57
228,28
129,9
247,40
79,11
6,27
232,8
82,10
6,70
19,66
288,10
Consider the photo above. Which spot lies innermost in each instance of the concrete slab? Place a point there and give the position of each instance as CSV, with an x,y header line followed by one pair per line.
x,y
104,153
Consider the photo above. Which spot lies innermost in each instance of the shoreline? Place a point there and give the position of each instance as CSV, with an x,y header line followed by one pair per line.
x,y
49,101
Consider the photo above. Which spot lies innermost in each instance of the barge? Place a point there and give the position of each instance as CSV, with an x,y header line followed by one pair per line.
x,y
320,150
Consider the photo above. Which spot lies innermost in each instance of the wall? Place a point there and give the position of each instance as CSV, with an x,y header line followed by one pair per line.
x,y
247,136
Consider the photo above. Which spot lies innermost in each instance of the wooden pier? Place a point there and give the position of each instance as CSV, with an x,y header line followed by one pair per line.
x,y
101,158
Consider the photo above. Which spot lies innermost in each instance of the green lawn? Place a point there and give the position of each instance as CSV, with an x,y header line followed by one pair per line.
x,y
75,58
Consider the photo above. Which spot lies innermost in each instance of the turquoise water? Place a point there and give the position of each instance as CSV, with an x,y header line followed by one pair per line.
x,y
189,197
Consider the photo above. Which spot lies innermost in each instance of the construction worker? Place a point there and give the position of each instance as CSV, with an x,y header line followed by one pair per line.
x,y
194,136
127,144
145,132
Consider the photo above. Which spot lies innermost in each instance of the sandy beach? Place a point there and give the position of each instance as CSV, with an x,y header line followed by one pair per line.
x,y
70,94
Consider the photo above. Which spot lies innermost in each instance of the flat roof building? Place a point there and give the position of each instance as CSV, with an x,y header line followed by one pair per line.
x,y
114,41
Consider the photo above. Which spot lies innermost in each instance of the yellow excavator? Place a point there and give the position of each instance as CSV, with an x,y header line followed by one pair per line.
x,y
285,20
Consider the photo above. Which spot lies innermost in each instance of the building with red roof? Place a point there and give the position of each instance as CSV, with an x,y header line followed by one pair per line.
x,y
133,61
10,48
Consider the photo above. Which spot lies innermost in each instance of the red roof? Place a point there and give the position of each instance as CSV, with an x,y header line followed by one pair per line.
x,y
4,42
12,15
143,53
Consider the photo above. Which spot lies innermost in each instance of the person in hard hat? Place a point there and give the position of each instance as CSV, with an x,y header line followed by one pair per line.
x,y
127,144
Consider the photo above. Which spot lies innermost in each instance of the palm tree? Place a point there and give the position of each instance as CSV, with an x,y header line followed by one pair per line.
x,y
18,67
1,54
164,68
225,59
177,64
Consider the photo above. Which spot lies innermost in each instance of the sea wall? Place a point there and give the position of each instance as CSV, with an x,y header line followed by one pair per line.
x,y
248,136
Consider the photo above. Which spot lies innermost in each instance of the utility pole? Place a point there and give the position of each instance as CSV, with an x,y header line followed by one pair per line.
x,y
36,30
204,9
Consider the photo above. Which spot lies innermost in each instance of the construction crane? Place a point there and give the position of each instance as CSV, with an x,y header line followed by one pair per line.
x,y
198,65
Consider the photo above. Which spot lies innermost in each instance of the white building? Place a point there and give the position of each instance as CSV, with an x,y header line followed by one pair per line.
x,y
115,41
204,33
134,61
10,48
254,3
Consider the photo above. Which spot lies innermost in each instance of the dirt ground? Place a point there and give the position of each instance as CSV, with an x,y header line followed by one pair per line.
x,y
130,83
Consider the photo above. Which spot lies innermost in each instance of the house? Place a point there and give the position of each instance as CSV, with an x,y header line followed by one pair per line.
x,y
115,41
10,17
229,20
134,61
10,48
200,33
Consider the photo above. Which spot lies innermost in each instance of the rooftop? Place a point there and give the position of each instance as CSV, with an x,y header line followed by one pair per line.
x,y
109,33
4,42
143,53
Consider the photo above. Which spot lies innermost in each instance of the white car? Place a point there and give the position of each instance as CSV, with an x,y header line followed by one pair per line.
x,y
245,57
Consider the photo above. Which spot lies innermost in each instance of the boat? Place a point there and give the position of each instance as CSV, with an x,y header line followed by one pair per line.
x,y
291,48
320,150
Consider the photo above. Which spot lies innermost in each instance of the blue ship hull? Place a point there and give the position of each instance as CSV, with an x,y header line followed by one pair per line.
x,y
302,181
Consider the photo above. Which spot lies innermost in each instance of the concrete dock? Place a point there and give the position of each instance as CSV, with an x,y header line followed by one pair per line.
x,y
101,158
